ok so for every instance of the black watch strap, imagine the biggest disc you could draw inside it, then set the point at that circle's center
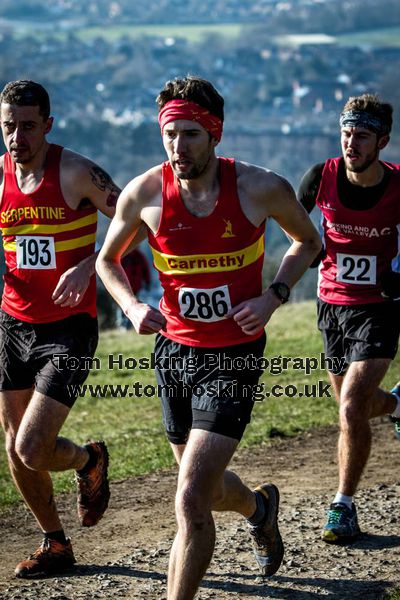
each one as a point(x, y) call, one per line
point(281, 290)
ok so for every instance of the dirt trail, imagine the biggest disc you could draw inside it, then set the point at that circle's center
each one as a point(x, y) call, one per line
point(126, 555)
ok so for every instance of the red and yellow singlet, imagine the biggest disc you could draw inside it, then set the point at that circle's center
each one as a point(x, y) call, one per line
point(200, 288)
point(42, 238)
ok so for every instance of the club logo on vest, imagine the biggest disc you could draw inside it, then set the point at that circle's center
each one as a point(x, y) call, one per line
point(228, 233)
point(326, 205)
point(179, 227)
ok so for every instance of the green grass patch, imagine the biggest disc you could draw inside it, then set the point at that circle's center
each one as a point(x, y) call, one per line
point(194, 33)
point(389, 37)
point(132, 426)
point(111, 33)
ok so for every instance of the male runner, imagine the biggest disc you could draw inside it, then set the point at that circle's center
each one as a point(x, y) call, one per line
point(358, 196)
point(206, 218)
point(49, 198)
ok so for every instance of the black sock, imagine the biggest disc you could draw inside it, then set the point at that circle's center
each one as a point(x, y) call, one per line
point(90, 463)
point(58, 536)
point(259, 514)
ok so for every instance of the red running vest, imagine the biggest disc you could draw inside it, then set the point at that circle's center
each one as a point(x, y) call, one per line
point(207, 264)
point(360, 244)
point(42, 238)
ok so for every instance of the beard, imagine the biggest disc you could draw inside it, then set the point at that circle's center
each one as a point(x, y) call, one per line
point(196, 170)
point(367, 162)
point(23, 155)
point(193, 173)
point(20, 156)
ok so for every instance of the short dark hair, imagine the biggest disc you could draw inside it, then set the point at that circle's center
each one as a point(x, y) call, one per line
point(194, 89)
point(371, 104)
point(27, 93)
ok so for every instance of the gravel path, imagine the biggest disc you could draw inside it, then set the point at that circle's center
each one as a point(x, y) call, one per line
point(126, 555)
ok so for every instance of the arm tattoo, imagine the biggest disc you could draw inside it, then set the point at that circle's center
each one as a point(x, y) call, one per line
point(103, 182)
point(113, 196)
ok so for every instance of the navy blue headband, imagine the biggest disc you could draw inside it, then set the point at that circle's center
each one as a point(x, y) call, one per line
point(361, 118)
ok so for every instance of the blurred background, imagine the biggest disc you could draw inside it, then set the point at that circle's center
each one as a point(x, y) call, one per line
point(284, 68)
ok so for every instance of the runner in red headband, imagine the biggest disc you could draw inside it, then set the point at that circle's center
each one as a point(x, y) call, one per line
point(205, 218)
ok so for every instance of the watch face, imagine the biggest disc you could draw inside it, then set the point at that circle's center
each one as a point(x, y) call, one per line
point(283, 291)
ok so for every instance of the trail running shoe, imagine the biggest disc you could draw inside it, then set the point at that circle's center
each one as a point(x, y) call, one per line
point(51, 557)
point(93, 488)
point(395, 420)
point(267, 542)
point(342, 524)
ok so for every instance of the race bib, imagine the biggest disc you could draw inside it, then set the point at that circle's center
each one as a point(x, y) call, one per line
point(358, 270)
point(35, 252)
point(206, 305)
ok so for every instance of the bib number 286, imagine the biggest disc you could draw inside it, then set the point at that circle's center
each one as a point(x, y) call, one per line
point(34, 252)
point(204, 304)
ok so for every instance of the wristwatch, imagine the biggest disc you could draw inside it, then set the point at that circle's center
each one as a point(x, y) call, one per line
point(281, 291)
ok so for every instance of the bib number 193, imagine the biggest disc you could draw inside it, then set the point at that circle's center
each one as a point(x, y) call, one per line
point(34, 252)
point(207, 305)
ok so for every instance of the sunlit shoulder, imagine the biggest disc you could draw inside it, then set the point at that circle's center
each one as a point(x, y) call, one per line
point(260, 181)
point(145, 187)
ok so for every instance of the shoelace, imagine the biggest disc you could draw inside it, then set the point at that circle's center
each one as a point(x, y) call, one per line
point(334, 515)
point(44, 546)
point(259, 537)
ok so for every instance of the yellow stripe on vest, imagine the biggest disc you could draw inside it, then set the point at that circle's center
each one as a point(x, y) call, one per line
point(79, 242)
point(38, 228)
point(85, 240)
point(208, 263)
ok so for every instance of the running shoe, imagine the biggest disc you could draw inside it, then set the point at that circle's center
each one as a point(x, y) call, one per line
point(267, 542)
point(51, 557)
point(93, 488)
point(395, 420)
point(342, 524)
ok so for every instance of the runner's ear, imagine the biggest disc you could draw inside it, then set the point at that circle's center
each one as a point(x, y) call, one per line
point(49, 125)
point(383, 141)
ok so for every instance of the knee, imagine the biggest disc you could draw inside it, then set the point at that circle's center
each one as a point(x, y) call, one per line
point(353, 413)
point(31, 452)
point(193, 510)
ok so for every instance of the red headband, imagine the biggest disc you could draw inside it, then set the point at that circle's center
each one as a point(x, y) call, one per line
point(190, 111)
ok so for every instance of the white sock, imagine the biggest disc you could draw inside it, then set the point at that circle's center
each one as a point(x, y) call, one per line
point(342, 499)
point(396, 412)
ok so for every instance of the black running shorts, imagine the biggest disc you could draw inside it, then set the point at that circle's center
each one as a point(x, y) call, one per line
point(48, 356)
point(207, 388)
point(359, 332)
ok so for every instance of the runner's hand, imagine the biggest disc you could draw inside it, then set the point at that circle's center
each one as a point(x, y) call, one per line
point(72, 285)
point(146, 319)
point(252, 315)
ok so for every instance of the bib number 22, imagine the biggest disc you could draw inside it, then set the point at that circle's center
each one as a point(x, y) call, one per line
point(207, 305)
point(358, 270)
